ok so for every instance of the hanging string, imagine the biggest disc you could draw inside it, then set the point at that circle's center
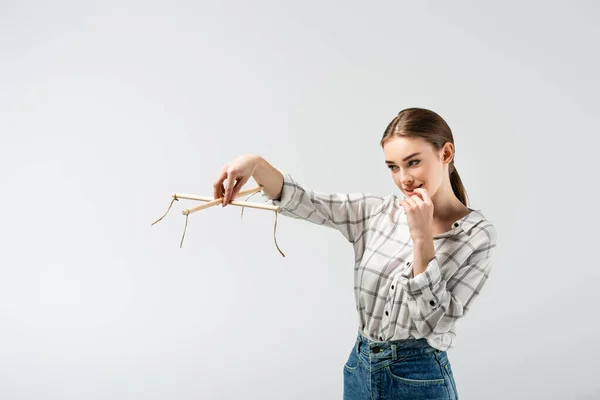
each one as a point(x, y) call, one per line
point(168, 209)
point(184, 229)
point(275, 235)
point(274, 227)
point(241, 216)
point(247, 198)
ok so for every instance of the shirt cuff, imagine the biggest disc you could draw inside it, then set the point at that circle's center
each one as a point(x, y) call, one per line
point(426, 284)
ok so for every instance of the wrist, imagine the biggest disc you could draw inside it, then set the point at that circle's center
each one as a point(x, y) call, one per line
point(423, 241)
point(424, 250)
point(257, 162)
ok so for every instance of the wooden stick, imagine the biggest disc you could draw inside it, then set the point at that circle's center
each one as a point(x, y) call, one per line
point(213, 202)
point(203, 198)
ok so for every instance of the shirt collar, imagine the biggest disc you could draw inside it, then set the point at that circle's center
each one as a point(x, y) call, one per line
point(465, 224)
point(470, 220)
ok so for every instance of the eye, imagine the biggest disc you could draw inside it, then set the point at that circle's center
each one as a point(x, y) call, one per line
point(409, 163)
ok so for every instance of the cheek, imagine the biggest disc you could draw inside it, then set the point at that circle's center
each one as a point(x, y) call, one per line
point(433, 182)
point(429, 175)
point(422, 177)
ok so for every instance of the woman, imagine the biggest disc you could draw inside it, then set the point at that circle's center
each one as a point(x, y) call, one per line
point(420, 262)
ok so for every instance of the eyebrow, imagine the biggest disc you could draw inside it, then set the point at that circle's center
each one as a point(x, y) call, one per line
point(404, 159)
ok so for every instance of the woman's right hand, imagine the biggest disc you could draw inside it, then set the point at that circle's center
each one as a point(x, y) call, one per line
point(236, 173)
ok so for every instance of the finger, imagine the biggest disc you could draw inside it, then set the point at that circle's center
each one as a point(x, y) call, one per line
point(229, 190)
point(410, 201)
point(418, 201)
point(238, 186)
point(405, 205)
point(218, 189)
point(423, 192)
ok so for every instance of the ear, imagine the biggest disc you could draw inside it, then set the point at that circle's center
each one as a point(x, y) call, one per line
point(447, 153)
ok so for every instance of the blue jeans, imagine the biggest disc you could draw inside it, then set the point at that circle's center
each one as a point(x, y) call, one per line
point(400, 369)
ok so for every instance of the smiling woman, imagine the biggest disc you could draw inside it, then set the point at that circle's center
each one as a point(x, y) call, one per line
point(419, 149)
point(419, 263)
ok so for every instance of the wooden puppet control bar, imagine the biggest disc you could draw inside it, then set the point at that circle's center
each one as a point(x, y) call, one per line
point(211, 202)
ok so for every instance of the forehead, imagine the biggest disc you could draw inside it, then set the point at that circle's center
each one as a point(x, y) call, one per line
point(399, 147)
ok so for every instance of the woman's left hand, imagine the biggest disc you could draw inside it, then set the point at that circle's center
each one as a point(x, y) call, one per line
point(419, 214)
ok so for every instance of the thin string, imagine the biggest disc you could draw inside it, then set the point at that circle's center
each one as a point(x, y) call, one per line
point(241, 216)
point(184, 229)
point(275, 235)
point(274, 227)
point(247, 198)
point(170, 205)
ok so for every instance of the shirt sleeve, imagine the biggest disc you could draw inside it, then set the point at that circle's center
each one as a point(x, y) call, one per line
point(346, 212)
point(434, 304)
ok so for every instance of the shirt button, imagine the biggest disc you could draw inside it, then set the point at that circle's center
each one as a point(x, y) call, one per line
point(392, 287)
point(380, 337)
point(456, 224)
point(386, 313)
point(431, 302)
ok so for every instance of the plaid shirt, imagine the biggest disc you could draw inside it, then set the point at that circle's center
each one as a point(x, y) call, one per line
point(391, 303)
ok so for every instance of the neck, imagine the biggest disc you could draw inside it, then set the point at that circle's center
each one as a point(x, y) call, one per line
point(445, 203)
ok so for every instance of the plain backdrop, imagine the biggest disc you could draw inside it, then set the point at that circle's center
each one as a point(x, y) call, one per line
point(107, 108)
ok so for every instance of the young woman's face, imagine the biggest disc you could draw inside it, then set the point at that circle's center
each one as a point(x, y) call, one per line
point(415, 163)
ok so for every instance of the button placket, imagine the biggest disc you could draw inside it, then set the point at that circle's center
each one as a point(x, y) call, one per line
point(386, 312)
point(394, 283)
point(407, 272)
point(389, 305)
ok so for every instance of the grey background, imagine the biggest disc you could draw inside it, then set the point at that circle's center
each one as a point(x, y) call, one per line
point(106, 108)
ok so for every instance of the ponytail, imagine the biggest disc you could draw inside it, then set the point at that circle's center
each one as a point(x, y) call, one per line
point(457, 185)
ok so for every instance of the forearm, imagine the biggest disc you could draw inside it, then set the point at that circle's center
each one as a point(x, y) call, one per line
point(434, 303)
point(269, 177)
point(424, 252)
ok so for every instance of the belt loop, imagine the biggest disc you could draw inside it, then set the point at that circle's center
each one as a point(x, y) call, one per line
point(394, 353)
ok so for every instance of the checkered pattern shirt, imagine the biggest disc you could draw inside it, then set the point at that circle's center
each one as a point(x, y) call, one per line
point(391, 303)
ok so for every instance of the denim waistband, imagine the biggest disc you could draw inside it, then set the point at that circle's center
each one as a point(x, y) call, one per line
point(393, 349)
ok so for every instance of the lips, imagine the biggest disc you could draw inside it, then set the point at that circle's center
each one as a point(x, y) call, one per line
point(411, 192)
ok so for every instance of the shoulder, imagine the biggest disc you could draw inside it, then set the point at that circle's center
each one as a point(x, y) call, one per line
point(481, 233)
point(387, 205)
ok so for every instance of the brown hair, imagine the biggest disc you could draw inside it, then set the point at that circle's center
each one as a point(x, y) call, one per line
point(429, 126)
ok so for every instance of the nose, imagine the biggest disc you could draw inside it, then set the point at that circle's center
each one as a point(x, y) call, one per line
point(406, 180)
